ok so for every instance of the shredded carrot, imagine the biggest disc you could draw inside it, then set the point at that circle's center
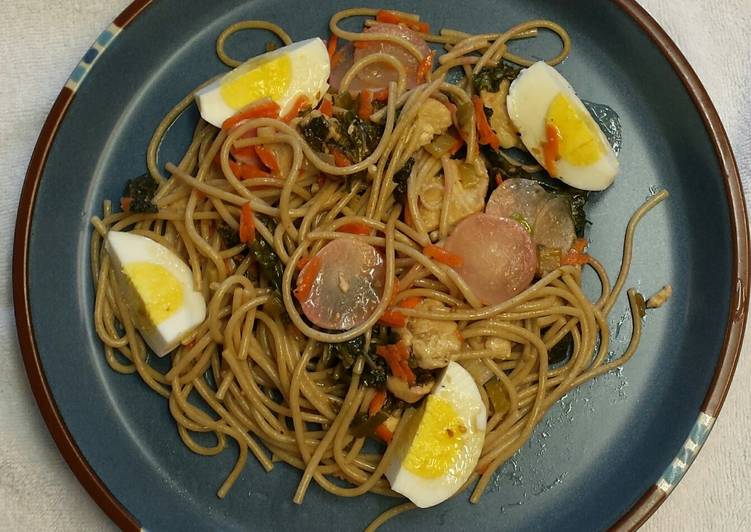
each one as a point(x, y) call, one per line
point(200, 194)
point(326, 108)
point(125, 203)
point(377, 402)
point(392, 17)
point(246, 171)
point(381, 95)
point(247, 224)
point(486, 134)
point(331, 45)
point(393, 318)
point(410, 302)
point(355, 229)
point(340, 159)
point(262, 109)
point(580, 245)
point(383, 432)
point(576, 255)
point(458, 144)
point(246, 153)
point(297, 106)
point(426, 65)
point(551, 146)
point(443, 256)
point(268, 158)
point(365, 104)
point(303, 261)
point(367, 44)
point(309, 274)
point(396, 356)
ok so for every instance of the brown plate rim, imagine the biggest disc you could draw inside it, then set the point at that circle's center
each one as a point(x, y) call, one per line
point(631, 520)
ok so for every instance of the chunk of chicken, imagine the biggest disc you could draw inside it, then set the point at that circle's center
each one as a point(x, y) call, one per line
point(433, 118)
point(433, 342)
point(466, 195)
point(407, 393)
point(500, 121)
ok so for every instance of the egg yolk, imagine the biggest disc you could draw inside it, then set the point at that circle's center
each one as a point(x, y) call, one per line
point(578, 142)
point(270, 79)
point(438, 440)
point(160, 292)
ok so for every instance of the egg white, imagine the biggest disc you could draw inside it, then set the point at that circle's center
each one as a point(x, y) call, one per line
point(458, 388)
point(310, 68)
point(529, 98)
point(126, 248)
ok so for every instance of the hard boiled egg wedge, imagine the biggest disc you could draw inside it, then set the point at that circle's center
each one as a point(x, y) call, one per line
point(157, 287)
point(442, 444)
point(302, 68)
point(558, 131)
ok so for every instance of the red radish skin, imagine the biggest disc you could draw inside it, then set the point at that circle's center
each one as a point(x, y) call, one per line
point(347, 287)
point(499, 256)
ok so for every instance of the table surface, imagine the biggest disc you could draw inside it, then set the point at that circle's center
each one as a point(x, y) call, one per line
point(39, 492)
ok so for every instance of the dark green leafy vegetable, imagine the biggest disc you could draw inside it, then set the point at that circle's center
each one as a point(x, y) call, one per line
point(374, 374)
point(315, 132)
point(348, 351)
point(401, 178)
point(268, 261)
point(357, 138)
point(561, 351)
point(141, 192)
point(490, 78)
point(345, 100)
point(230, 237)
point(364, 425)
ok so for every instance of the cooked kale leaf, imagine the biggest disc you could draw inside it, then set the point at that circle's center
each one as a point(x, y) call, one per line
point(315, 131)
point(230, 237)
point(490, 78)
point(357, 138)
point(141, 192)
point(268, 261)
point(400, 179)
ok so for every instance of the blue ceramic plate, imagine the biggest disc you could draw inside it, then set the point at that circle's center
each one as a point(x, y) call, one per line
point(606, 455)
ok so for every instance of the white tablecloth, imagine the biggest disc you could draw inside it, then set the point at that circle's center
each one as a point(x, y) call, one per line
point(40, 43)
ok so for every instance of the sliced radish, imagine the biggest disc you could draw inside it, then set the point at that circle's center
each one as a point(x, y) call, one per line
point(378, 75)
point(499, 257)
point(347, 287)
point(554, 227)
point(517, 198)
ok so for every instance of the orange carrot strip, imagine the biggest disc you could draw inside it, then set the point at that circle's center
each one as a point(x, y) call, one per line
point(487, 136)
point(268, 158)
point(377, 402)
point(383, 432)
point(551, 146)
point(443, 256)
point(390, 17)
point(326, 108)
point(355, 229)
point(340, 159)
point(365, 104)
point(262, 109)
point(125, 203)
point(247, 224)
point(246, 171)
point(410, 302)
point(381, 95)
point(309, 274)
point(580, 245)
point(425, 67)
point(572, 258)
point(393, 318)
point(385, 352)
point(331, 45)
point(303, 261)
point(337, 58)
point(297, 105)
